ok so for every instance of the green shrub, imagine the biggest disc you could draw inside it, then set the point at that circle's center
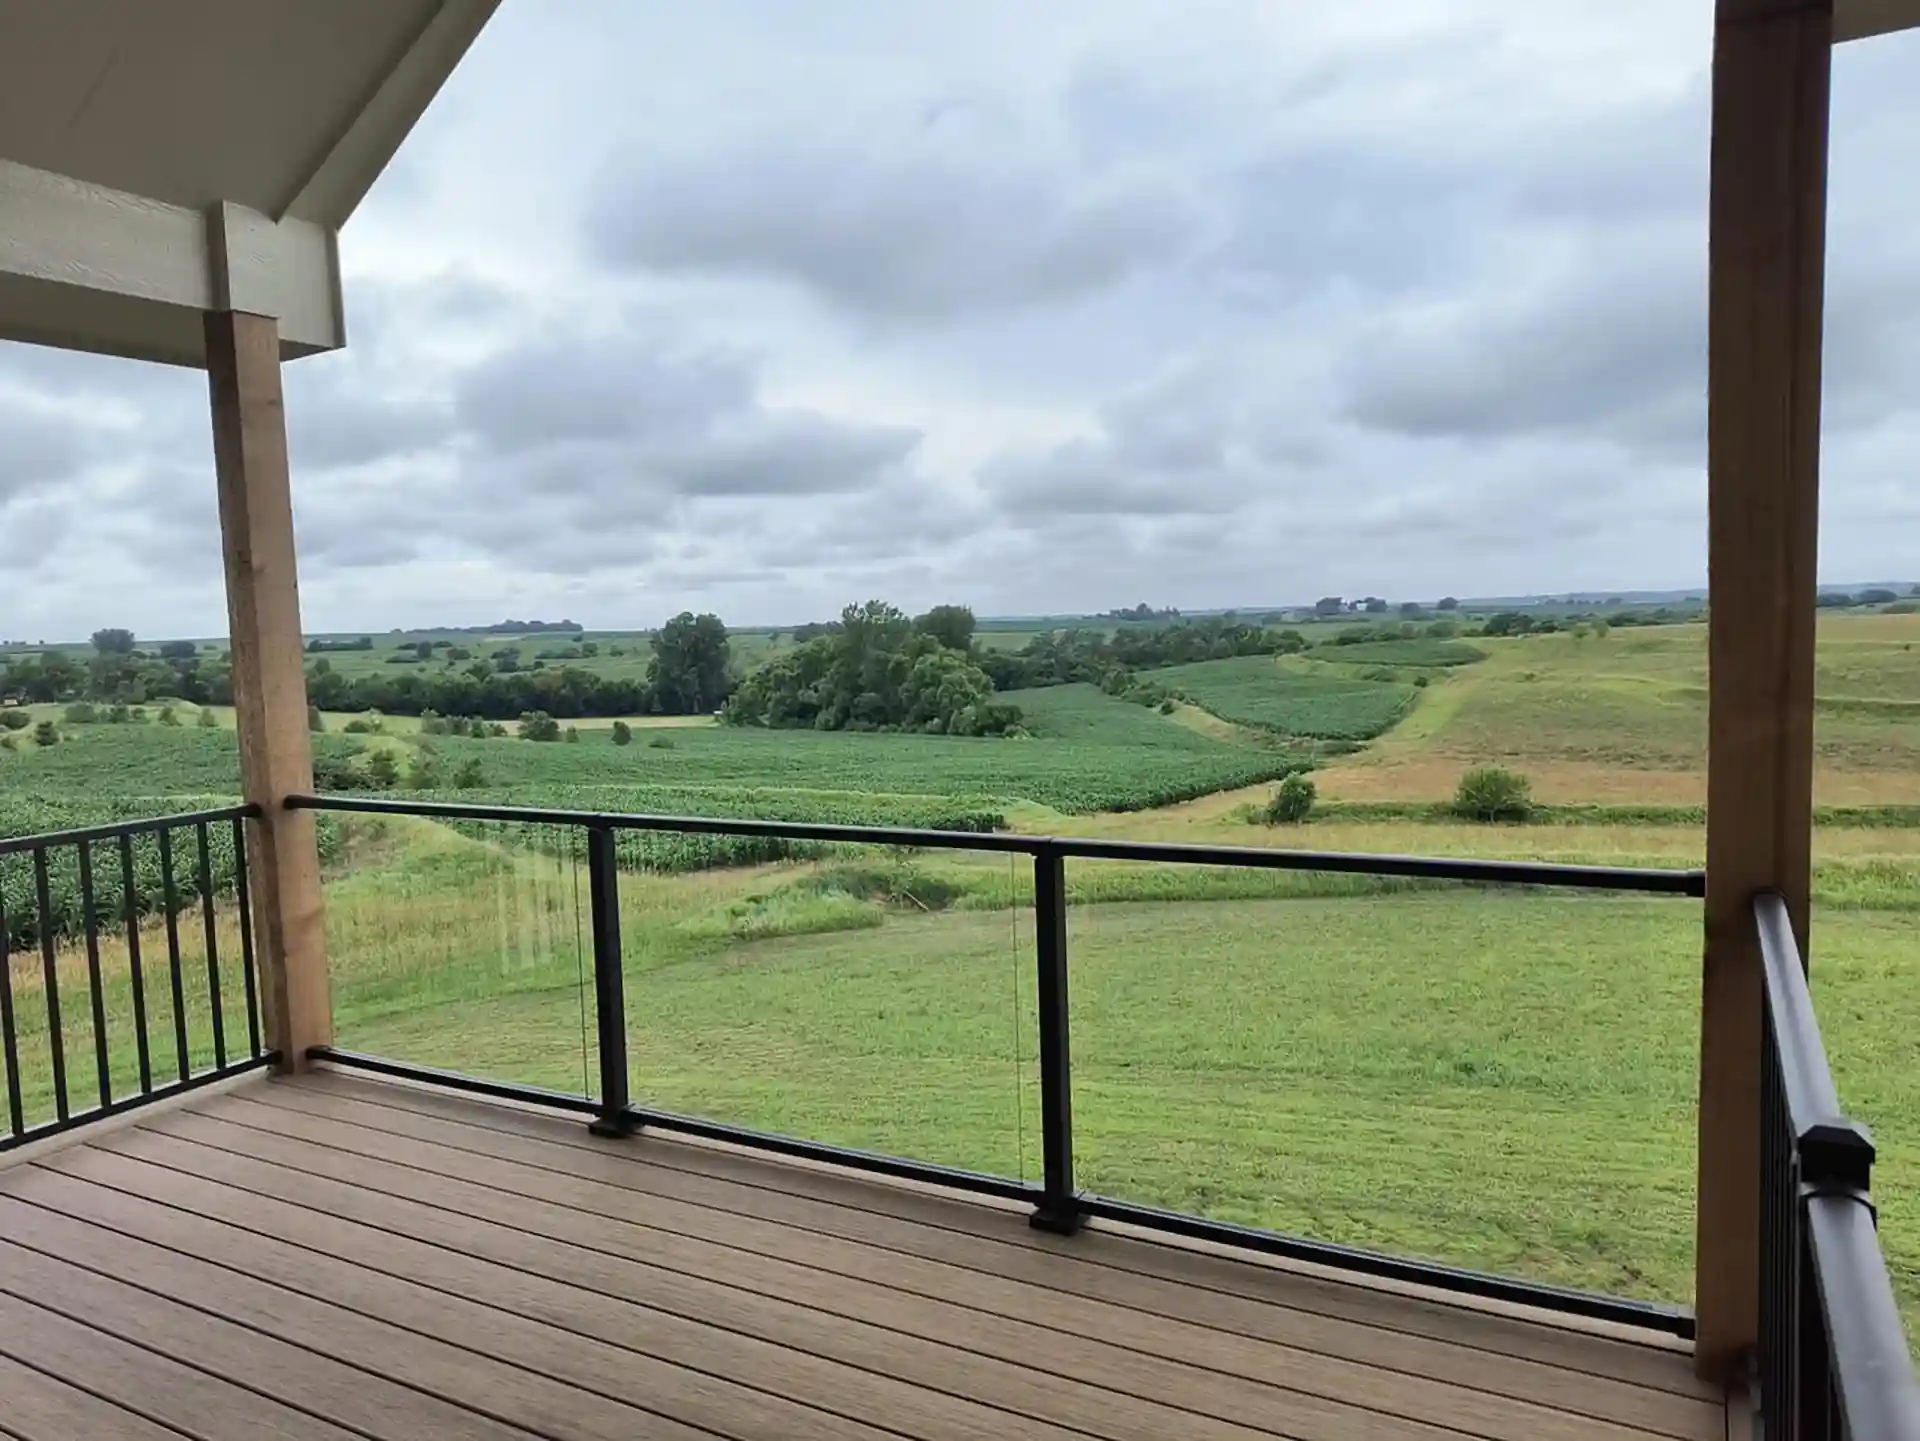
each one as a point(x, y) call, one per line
point(1292, 801)
point(469, 776)
point(1493, 793)
point(44, 734)
point(1169, 706)
point(208, 721)
point(383, 771)
point(15, 720)
point(81, 712)
point(537, 725)
point(315, 721)
point(169, 716)
point(573, 735)
point(118, 715)
point(622, 733)
point(660, 743)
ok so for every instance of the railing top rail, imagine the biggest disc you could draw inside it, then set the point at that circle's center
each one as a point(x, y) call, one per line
point(1873, 1370)
point(1532, 873)
point(1812, 1099)
point(113, 830)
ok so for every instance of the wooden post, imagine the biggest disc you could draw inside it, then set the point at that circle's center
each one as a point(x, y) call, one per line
point(269, 677)
point(1771, 72)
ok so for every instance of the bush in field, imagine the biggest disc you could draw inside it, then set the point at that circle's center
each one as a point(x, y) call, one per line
point(315, 722)
point(9, 741)
point(44, 734)
point(383, 771)
point(622, 733)
point(169, 716)
point(573, 735)
point(1292, 801)
point(118, 715)
point(469, 776)
point(207, 721)
point(15, 720)
point(1493, 793)
point(660, 743)
point(81, 712)
point(537, 725)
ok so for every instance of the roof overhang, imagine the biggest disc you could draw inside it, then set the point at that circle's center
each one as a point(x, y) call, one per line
point(158, 161)
point(1862, 19)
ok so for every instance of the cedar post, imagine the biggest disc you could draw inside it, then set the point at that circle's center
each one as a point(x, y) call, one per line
point(269, 677)
point(1771, 73)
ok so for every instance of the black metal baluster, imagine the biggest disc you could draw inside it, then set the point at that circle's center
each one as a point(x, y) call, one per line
point(171, 899)
point(50, 971)
point(213, 947)
point(9, 1043)
point(94, 993)
point(609, 984)
point(1059, 1210)
point(245, 904)
point(130, 898)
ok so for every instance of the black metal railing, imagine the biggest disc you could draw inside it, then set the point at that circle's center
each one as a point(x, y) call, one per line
point(1058, 1204)
point(1833, 1360)
point(115, 902)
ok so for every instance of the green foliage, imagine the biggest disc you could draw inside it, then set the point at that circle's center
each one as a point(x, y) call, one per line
point(80, 713)
point(573, 735)
point(113, 641)
point(951, 625)
point(876, 672)
point(470, 775)
point(207, 720)
point(689, 673)
point(622, 733)
point(46, 734)
point(1255, 691)
point(1493, 793)
point(660, 741)
point(169, 716)
point(1292, 801)
point(365, 725)
point(15, 720)
point(315, 721)
point(539, 726)
point(1407, 652)
point(383, 771)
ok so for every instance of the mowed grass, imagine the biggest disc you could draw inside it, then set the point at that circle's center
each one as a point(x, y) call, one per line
point(1622, 719)
point(1493, 1079)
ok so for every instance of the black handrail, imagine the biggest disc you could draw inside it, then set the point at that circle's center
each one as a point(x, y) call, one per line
point(1833, 1359)
point(1437, 868)
point(1057, 1204)
point(54, 892)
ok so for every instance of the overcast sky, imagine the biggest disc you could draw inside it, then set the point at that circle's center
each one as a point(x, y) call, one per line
point(762, 307)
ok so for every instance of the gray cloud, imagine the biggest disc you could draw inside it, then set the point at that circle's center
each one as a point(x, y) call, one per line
point(901, 226)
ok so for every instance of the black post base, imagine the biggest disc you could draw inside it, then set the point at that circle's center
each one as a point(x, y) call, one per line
point(615, 1127)
point(1066, 1220)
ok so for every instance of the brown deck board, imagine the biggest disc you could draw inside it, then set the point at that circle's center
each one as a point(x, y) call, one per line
point(330, 1255)
point(1648, 1361)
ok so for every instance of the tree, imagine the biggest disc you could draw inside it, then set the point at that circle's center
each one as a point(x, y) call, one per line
point(951, 625)
point(383, 771)
point(45, 734)
point(539, 726)
point(469, 775)
point(622, 733)
point(1878, 595)
point(1447, 602)
point(1375, 605)
point(1491, 793)
point(1412, 607)
point(178, 650)
point(1329, 605)
point(690, 671)
point(113, 641)
point(1292, 801)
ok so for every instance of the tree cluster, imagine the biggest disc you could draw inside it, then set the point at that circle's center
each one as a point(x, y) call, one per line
point(1062, 657)
point(879, 670)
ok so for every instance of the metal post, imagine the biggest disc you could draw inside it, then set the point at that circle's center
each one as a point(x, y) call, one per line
point(1059, 1209)
point(609, 984)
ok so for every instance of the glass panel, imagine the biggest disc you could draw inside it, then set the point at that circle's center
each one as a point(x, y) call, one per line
point(866, 996)
point(463, 946)
point(1497, 1079)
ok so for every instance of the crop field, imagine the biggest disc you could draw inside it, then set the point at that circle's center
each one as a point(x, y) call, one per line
point(1258, 691)
point(1502, 1080)
point(1622, 719)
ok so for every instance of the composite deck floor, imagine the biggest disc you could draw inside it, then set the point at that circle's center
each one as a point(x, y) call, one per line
point(331, 1257)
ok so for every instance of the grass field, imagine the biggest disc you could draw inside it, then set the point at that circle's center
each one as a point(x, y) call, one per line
point(1495, 1079)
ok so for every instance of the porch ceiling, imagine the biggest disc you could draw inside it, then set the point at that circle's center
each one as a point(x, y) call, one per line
point(158, 160)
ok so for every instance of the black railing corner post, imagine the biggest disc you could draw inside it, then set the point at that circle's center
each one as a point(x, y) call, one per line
point(1059, 1209)
point(609, 985)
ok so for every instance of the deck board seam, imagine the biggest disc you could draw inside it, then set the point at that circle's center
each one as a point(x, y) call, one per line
point(168, 1357)
point(722, 1377)
point(117, 1404)
point(1278, 1389)
point(345, 1085)
point(561, 1146)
